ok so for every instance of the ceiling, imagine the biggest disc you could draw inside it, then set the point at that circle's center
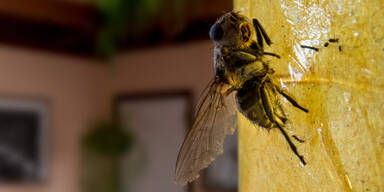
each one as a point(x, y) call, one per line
point(76, 26)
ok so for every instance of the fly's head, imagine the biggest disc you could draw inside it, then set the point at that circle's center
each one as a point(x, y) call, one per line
point(232, 30)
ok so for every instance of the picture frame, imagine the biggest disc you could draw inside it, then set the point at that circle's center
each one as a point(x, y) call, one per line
point(211, 180)
point(23, 140)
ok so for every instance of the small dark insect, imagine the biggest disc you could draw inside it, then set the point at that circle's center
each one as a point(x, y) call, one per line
point(333, 40)
point(309, 47)
point(243, 76)
point(326, 44)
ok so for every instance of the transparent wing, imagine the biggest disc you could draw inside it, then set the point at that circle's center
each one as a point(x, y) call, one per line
point(215, 118)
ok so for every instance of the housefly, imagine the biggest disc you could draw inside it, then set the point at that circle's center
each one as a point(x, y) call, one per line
point(242, 82)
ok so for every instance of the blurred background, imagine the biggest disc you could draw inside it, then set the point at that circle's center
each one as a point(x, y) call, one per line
point(97, 95)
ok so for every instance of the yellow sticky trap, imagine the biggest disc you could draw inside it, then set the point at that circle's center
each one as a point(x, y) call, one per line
point(341, 84)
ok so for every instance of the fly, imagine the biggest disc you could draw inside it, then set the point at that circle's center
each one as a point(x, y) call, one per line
point(242, 82)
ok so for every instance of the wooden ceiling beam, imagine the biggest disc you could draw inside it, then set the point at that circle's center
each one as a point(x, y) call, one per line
point(59, 13)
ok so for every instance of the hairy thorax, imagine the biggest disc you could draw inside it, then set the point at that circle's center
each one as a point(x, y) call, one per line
point(242, 65)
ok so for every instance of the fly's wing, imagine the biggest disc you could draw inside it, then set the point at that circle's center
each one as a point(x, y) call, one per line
point(215, 118)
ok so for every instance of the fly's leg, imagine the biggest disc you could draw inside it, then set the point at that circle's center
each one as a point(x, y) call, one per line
point(291, 145)
point(229, 91)
point(280, 114)
point(260, 33)
point(272, 54)
point(268, 108)
point(290, 99)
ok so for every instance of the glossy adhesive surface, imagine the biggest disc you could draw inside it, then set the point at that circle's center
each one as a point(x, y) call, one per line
point(342, 85)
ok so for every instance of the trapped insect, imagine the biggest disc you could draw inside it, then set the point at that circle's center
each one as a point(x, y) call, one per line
point(243, 76)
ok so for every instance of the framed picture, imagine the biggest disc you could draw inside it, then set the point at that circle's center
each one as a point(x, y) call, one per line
point(23, 140)
point(160, 122)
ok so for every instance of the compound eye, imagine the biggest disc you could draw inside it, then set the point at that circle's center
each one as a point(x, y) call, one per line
point(245, 32)
point(216, 33)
